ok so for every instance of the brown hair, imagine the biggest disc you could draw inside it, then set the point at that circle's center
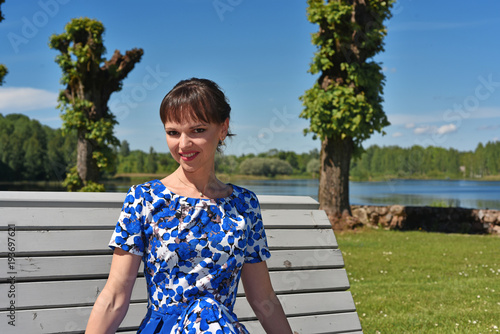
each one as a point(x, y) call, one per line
point(195, 99)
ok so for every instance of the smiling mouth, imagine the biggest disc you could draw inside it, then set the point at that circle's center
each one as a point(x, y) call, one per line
point(188, 156)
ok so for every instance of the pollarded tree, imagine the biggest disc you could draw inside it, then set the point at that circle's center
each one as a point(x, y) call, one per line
point(345, 104)
point(90, 80)
point(3, 69)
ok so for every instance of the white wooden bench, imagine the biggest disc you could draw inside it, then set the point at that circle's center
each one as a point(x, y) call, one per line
point(60, 261)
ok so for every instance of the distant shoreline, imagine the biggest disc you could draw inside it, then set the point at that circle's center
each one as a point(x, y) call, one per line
point(134, 178)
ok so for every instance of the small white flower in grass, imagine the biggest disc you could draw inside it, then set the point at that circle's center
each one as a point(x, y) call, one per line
point(456, 324)
point(478, 296)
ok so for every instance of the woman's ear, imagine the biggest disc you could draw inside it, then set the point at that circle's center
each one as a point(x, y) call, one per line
point(225, 129)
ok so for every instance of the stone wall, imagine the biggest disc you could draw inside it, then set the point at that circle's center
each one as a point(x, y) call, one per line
point(449, 220)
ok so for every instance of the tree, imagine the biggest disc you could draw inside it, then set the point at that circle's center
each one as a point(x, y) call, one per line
point(90, 80)
point(345, 104)
point(3, 69)
point(265, 166)
point(124, 148)
point(313, 166)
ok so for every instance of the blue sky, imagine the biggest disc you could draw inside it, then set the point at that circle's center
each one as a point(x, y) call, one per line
point(441, 64)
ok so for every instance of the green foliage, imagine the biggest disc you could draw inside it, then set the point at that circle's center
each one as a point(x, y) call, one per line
point(3, 73)
point(265, 166)
point(430, 162)
point(124, 148)
point(313, 166)
point(73, 181)
point(3, 69)
point(1, 14)
point(416, 282)
point(31, 151)
point(346, 100)
point(226, 164)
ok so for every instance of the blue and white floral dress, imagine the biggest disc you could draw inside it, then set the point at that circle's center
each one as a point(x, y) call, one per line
point(193, 251)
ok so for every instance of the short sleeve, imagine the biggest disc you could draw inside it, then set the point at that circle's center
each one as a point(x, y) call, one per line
point(257, 249)
point(129, 231)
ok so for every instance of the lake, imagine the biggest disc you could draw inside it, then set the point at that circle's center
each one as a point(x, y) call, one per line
point(467, 194)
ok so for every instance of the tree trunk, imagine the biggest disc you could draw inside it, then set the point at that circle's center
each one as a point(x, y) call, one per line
point(334, 175)
point(85, 164)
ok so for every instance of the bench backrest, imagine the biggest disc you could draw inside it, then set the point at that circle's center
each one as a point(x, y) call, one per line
point(58, 263)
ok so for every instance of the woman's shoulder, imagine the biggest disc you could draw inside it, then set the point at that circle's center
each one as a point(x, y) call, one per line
point(245, 196)
point(245, 192)
point(147, 190)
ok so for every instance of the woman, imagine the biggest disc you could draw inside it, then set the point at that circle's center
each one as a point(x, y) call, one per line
point(196, 235)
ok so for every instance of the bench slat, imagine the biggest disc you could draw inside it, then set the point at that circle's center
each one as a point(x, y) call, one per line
point(78, 292)
point(85, 218)
point(115, 200)
point(318, 324)
point(69, 266)
point(49, 320)
point(88, 241)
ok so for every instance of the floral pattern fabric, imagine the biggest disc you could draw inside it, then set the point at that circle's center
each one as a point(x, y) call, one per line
point(193, 251)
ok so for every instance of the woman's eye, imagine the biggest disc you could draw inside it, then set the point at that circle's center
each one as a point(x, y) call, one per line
point(171, 133)
point(199, 130)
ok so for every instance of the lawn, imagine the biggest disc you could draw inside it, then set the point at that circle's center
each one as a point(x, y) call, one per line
point(419, 282)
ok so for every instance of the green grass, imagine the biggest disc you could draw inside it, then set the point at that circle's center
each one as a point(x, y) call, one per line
point(418, 282)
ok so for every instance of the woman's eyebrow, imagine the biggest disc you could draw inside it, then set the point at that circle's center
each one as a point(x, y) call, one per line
point(198, 125)
point(191, 127)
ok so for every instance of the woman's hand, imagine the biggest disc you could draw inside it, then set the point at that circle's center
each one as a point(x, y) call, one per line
point(261, 297)
point(112, 304)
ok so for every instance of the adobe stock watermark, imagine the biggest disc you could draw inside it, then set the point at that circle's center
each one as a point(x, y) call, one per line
point(131, 98)
point(31, 26)
point(462, 111)
point(454, 118)
point(266, 135)
point(223, 6)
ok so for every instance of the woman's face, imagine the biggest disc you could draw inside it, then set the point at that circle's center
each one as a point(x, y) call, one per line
point(193, 144)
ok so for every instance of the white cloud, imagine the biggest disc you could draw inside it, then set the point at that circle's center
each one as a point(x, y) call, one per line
point(409, 125)
point(428, 129)
point(18, 99)
point(397, 134)
point(424, 129)
point(447, 129)
point(389, 69)
point(409, 120)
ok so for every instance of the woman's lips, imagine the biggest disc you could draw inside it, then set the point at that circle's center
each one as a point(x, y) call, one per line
point(188, 156)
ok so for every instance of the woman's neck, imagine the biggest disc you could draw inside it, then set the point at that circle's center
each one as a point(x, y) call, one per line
point(204, 184)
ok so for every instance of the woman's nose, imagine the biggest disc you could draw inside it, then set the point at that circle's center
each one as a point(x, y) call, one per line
point(185, 141)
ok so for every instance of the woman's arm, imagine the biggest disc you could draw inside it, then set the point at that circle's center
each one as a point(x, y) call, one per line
point(260, 294)
point(112, 304)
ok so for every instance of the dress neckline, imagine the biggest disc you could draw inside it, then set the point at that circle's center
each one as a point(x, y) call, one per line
point(233, 187)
